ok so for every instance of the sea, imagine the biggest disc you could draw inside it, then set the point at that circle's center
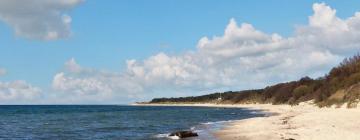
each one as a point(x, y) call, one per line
point(118, 122)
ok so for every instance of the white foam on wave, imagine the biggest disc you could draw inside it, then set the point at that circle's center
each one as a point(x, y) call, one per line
point(256, 112)
point(266, 114)
point(174, 137)
point(161, 135)
point(167, 136)
point(203, 129)
point(217, 122)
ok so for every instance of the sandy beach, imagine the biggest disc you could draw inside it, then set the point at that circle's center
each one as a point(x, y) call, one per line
point(301, 122)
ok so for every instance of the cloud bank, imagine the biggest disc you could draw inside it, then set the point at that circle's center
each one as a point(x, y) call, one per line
point(242, 58)
point(18, 92)
point(81, 85)
point(38, 19)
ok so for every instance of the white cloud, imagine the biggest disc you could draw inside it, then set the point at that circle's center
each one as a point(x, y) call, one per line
point(18, 92)
point(242, 58)
point(2, 71)
point(327, 31)
point(83, 85)
point(38, 19)
point(72, 66)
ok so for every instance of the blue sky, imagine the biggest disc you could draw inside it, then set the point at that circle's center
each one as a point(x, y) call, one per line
point(105, 34)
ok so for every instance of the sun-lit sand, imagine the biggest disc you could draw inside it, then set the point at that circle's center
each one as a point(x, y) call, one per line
point(301, 122)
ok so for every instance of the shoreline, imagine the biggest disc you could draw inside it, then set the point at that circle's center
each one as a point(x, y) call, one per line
point(302, 122)
point(199, 105)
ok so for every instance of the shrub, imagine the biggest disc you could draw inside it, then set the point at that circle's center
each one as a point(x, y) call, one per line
point(301, 91)
point(353, 79)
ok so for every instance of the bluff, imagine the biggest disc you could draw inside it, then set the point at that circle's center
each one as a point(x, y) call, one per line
point(341, 85)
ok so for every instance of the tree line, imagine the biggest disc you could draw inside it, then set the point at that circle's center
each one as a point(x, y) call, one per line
point(341, 85)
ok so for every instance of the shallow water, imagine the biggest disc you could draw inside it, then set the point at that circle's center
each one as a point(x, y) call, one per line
point(112, 121)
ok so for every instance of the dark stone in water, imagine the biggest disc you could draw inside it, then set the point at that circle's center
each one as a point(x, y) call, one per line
point(184, 134)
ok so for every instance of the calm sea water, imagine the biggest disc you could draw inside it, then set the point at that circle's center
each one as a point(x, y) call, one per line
point(111, 121)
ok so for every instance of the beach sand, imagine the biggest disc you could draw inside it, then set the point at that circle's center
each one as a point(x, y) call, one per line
point(301, 122)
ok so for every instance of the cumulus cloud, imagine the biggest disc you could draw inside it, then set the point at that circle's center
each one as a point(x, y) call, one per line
point(242, 58)
point(78, 84)
point(18, 92)
point(72, 66)
point(327, 31)
point(38, 19)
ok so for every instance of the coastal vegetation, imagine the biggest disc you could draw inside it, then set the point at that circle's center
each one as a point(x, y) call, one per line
point(341, 85)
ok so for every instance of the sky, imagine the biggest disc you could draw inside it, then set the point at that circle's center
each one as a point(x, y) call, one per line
point(119, 52)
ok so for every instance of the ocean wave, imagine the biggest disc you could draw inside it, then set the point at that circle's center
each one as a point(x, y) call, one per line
point(203, 129)
point(257, 112)
point(217, 122)
point(167, 136)
point(261, 113)
point(161, 135)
